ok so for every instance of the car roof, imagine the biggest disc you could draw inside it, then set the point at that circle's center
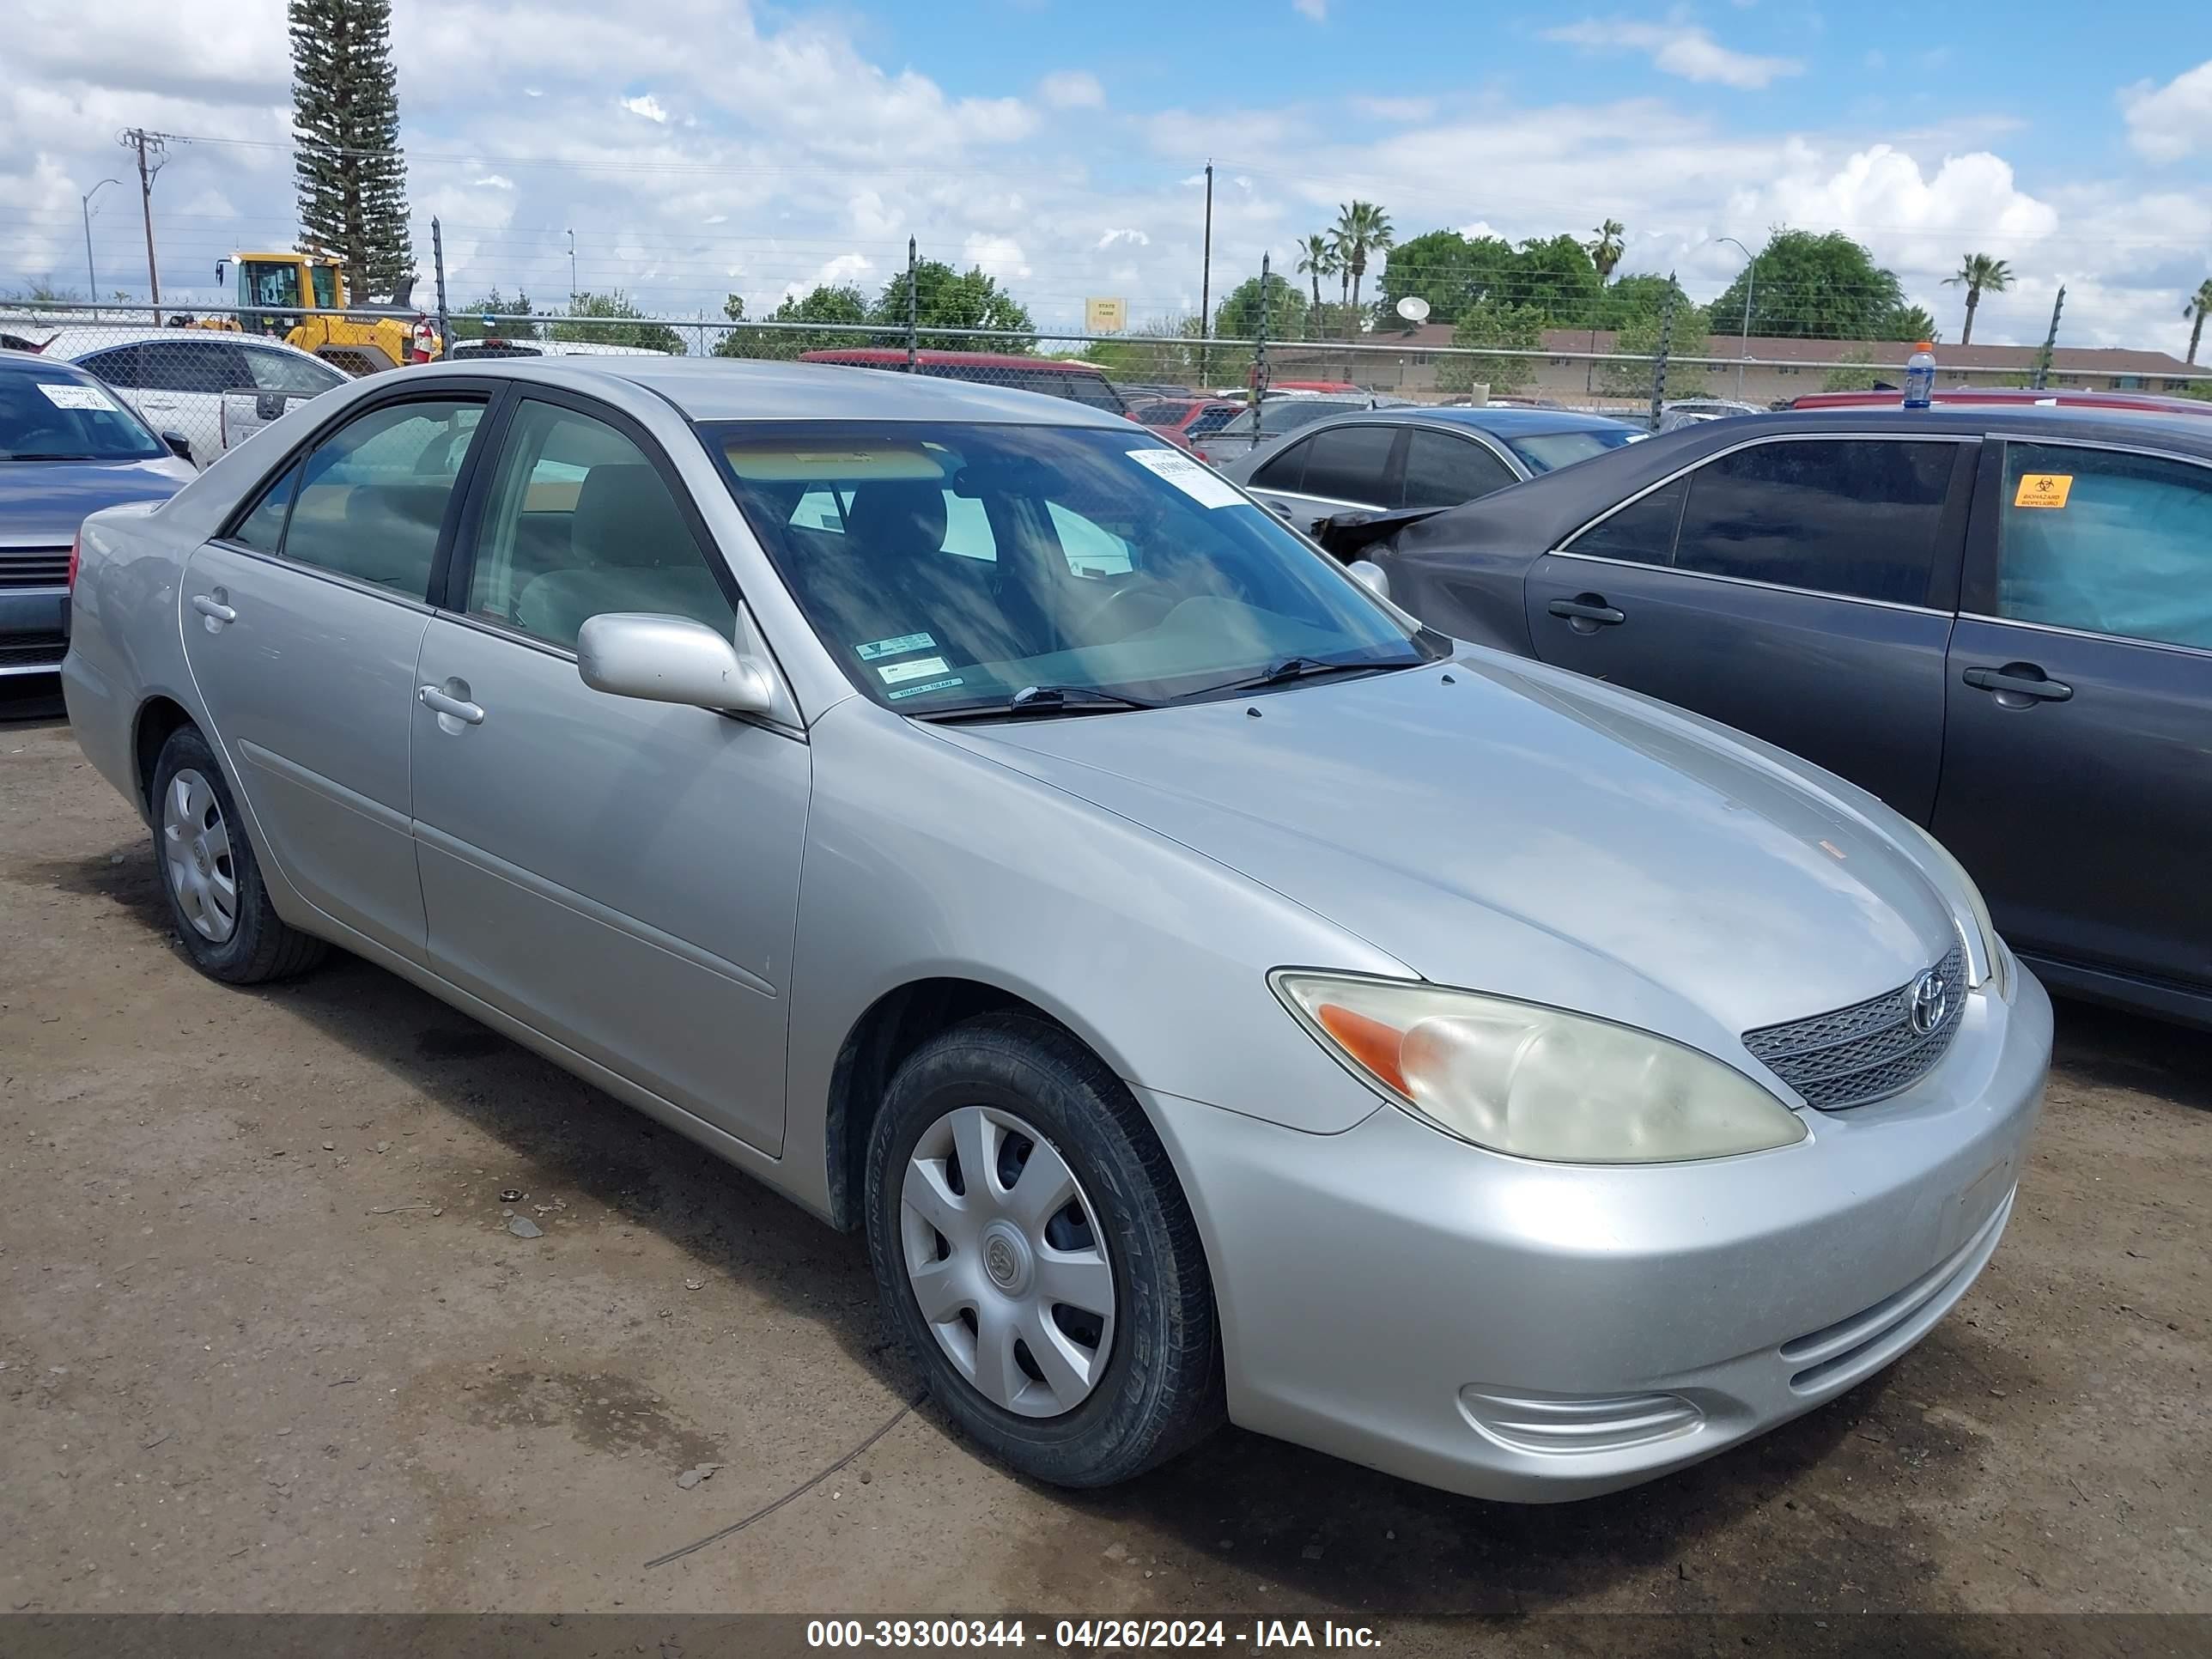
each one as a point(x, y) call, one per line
point(1504, 421)
point(98, 336)
point(23, 361)
point(724, 389)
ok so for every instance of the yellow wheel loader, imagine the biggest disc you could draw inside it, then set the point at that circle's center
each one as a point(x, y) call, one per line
point(302, 299)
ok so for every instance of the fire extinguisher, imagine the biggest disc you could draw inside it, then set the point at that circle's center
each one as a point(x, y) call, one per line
point(426, 337)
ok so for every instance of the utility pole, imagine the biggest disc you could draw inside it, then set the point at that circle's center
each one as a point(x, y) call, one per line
point(139, 139)
point(1206, 281)
point(2049, 341)
point(1750, 281)
point(572, 273)
point(91, 282)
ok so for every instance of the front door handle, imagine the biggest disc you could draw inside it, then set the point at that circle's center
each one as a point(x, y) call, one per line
point(213, 609)
point(1587, 612)
point(2018, 679)
point(1280, 510)
point(458, 708)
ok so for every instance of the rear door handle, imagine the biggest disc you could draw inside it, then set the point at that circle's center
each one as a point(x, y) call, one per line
point(1278, 510)
point(1591, 608)
point(213, 609)
point(2018, 679)
point(468, 713)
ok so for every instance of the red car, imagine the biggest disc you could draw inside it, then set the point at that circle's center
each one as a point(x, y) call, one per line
point(2014, 395)
point(1081, 383)
point(1184, 421)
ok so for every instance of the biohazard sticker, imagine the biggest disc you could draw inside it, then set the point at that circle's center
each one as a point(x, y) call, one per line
point(2043, 490)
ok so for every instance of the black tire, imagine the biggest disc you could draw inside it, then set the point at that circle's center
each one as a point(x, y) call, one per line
point(1161, 1392)
point(262, 947)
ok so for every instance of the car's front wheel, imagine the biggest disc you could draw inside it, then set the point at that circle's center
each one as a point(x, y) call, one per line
point(1037, 1256)
point(217, 897)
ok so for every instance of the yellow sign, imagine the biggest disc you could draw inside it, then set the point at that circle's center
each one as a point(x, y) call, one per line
point(2043, 490)
point(1105, 316)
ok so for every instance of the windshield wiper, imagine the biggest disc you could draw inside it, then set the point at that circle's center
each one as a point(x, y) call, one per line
point(1034, 700)
point(1290, 668)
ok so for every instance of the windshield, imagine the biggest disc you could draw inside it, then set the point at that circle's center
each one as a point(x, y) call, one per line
point(56, 414)
point(950, 567)
point(1548, 452)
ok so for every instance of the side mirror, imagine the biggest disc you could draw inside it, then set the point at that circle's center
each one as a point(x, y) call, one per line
point(179, 445)
point(628, 654)
point(1371, 576)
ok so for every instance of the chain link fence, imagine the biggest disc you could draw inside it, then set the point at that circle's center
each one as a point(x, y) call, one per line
point(214, 375)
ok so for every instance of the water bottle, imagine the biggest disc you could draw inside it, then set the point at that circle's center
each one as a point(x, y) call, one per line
point(1920, 376)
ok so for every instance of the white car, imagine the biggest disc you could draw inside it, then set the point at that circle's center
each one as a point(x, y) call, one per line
point(215, 386)
point(467, 350)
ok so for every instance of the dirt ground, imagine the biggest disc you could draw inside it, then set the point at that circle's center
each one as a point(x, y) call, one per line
point(270, 1343)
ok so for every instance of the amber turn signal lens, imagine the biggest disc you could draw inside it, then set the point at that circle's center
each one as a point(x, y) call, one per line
point(1372, 1043)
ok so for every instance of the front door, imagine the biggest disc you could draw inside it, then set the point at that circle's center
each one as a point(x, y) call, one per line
point(621, 875)
point(2078, 758)
point(1796, 588)
point(302, 626)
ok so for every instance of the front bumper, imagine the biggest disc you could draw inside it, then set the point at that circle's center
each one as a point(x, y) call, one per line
point(1534, 1331)
point(33, 629)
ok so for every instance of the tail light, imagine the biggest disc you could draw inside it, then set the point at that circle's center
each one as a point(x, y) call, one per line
point(76, 545)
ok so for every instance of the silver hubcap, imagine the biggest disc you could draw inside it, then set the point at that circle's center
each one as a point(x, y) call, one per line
point(1007, 1261)
point(196, 846)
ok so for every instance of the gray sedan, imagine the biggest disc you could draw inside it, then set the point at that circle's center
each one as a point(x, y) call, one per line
point(1211, 992)
point(1409, 456)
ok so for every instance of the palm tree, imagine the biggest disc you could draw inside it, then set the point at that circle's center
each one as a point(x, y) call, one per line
point(1317, 259)
point(1977, 273)
point(1605, 252)
point(1362, 228)
point(2199, 303)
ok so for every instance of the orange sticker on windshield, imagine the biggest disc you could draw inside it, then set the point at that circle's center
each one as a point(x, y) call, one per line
point(2043, 490)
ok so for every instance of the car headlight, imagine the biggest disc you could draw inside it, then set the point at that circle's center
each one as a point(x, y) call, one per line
point(1992, 962)
point(1536, 1082)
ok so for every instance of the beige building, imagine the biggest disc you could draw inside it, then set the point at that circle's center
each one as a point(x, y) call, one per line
point(1779, 370)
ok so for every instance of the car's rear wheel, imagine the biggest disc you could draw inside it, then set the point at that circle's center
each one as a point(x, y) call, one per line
point(1035, 1252)
point(217, 897)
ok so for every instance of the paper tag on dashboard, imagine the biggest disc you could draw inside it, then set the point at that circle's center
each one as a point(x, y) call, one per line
point(1189, 474)
point(69, 395)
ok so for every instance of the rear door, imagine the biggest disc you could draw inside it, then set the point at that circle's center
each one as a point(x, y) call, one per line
point(280, 380)
point(2077, 755)
point(1337, 469)
point(1443, 469)
point(1798, 587)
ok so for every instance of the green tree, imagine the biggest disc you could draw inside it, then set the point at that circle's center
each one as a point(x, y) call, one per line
point(1814, 286)
point(468, 322)
point(1860, 377)
point(1910, 324)
point(622, 328)
point(1169, 356)
point(945, 298)
point(1554, 275)
point(1605, 252)
point(351, 177)
point(1500, 324)
point(2199, 303)
point(1316, 259)
point(1362, 228)
point(1645, 294)
point(1450, 270)
point(842, 304)
point(1978, 274)
point(1237, 316)
point(1638, 333)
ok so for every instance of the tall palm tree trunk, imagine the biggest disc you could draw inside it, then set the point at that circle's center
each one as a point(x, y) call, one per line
point(1973, 299)
point(2196, 334)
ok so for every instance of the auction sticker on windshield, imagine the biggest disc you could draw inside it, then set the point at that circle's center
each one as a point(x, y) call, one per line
point(1194, 479)
point(75, 397)
point(897, 673)
point(897, 648)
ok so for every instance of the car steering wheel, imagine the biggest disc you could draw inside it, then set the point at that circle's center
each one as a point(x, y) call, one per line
point(1106, 607)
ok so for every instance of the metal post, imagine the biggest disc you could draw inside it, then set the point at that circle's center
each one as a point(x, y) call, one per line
point(572, 273)
point(92, 282)
point(1260, 351)
point(2049, 341)
point(438, 272)
point(1750, 281)
point(912, 303)
point(1205, 283)
point(1659, 359)
point(138, 139)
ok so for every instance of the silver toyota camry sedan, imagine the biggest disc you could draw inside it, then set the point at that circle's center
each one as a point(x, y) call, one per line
point(1212, 993)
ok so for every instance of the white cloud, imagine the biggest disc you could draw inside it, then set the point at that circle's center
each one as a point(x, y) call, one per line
point(1679, 49)
point(496, 181)
point(1073, 90)
point(996, 256)
point(648, 106)
point(2171, 122)
point(1316, 9)
point(1134, 238)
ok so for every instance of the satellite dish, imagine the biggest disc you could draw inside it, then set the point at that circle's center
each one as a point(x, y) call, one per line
point(1413, 308)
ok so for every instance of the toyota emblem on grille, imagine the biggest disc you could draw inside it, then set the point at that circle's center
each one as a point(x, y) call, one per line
point(1927, 1002)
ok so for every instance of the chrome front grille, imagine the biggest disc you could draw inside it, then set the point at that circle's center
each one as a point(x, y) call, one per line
point(1868, 1050)
point(34, 567)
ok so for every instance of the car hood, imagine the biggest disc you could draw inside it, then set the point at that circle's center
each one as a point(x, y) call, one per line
point(1510, 828)
point(43, 502)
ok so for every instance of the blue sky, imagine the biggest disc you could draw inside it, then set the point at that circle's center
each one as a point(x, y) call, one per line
point(703, 147)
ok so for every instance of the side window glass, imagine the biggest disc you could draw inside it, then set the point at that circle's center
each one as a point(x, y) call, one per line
point(2106, 542)
point(580, 522)
point(1642, 532)
point(373, 496)
point(1851, 516)
point(196, 361)
point(1091, 549)
point(280, 371)
point(118, 367)
point(1347, 464)
point(263, 529)
point(1442, 471)
point(1287, 470)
